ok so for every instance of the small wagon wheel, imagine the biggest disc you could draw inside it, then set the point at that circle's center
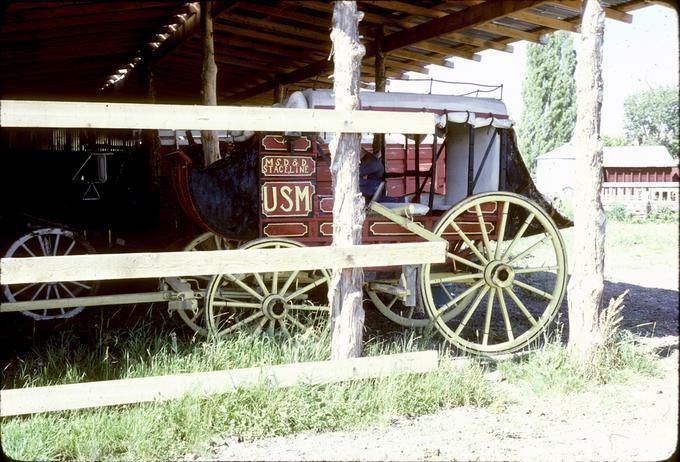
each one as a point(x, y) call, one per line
point(50, 242)
point(392, 308)
point(504, 283)
point(203, 242)
point(290, 302)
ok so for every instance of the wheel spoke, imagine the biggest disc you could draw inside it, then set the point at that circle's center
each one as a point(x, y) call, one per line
point(519, 235)
point(284, 328)
point(24, 289)
point(30, 252)
point(310, 308)
point(49, 289)
point(467, 240)
point(244, 286)
point(38, 291)
point(56, 245)
point(259, 327)
point(504, 312)
point(237, 305)
point(464, 261)
point(288, 282)
point(305, 289)
point(487, 317)
point(471, 310)
point(456, 278)
point(260, 282)
point(529, 249)
point(43, 246)
point(297, 323)
point(84, 286)
point(533, 289)
point(501, 229)
point(446, 291)
point(482, 226)
point(535, 270)
point(216, 239)
point(459, 297)
point(272, 326)
point(520, 305)
point(70, 294)
point(70, 247)
point(391, 304)
point(241, 323)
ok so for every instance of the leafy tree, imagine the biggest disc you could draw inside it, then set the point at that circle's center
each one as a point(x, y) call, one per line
point(614, 140)
point(651, 117)
point(549, 96)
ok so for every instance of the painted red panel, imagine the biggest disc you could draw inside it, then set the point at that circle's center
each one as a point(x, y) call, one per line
point(280, 143)
point(287, 198)
point(285, 229)
point(287, 166)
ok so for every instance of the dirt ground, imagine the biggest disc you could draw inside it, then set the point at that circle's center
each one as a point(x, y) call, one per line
point(633, 421)
point(636, 421)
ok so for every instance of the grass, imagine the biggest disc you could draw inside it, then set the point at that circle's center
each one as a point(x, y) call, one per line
point(616, 358)
point(169, 429)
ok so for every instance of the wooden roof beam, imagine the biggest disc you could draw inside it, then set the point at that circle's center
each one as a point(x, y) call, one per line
point(435, 12)
point(453, 22)
point(511, 32)
point(545, 21)
point(473, 16)
point(610, 13)
point(276, 39)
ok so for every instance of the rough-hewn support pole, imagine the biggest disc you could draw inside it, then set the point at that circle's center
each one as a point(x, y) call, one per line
point(345, 288)
point(586, 284)
point(151, 138)
point(211, 149)
point(279, 90)
point(380, 82)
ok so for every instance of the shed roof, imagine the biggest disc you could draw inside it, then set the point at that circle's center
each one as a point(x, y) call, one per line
point(620, 156)
point(87, 49)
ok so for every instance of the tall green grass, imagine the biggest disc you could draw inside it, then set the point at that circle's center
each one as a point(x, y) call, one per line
point(166, 430)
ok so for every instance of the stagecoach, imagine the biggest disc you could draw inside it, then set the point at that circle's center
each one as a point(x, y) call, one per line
point(503, 280)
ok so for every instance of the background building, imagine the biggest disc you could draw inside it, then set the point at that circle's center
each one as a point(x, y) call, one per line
point(637, 177)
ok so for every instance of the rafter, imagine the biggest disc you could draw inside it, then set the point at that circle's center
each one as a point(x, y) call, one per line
point(451, 23)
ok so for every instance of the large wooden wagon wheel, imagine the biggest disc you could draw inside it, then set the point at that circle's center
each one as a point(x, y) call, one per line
point(47, 242)
point(203, 242)
point(496, 295)
point(290, 302)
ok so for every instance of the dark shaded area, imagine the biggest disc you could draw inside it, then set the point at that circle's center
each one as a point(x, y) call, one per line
point(225, 194)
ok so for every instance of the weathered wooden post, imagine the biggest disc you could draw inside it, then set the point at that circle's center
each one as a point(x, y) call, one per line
point(587, 280)
point(345, 288)
point(209, 139)
point(380, 80)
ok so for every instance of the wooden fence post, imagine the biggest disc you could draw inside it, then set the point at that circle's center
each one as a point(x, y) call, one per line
point(345, 289)
point(587, 281)
point(209, 139)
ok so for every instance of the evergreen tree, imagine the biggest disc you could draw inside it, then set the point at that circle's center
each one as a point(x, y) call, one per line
point(549, 96)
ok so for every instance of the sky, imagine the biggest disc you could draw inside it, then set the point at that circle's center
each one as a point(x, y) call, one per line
point(637, 57)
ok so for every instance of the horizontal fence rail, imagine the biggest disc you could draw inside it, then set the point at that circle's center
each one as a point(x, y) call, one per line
point(60, 114)
point(126, 391)
point(165, 264)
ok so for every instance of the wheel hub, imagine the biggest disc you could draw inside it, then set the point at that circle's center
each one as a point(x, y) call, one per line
point(498, 274)
point(274, 307)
